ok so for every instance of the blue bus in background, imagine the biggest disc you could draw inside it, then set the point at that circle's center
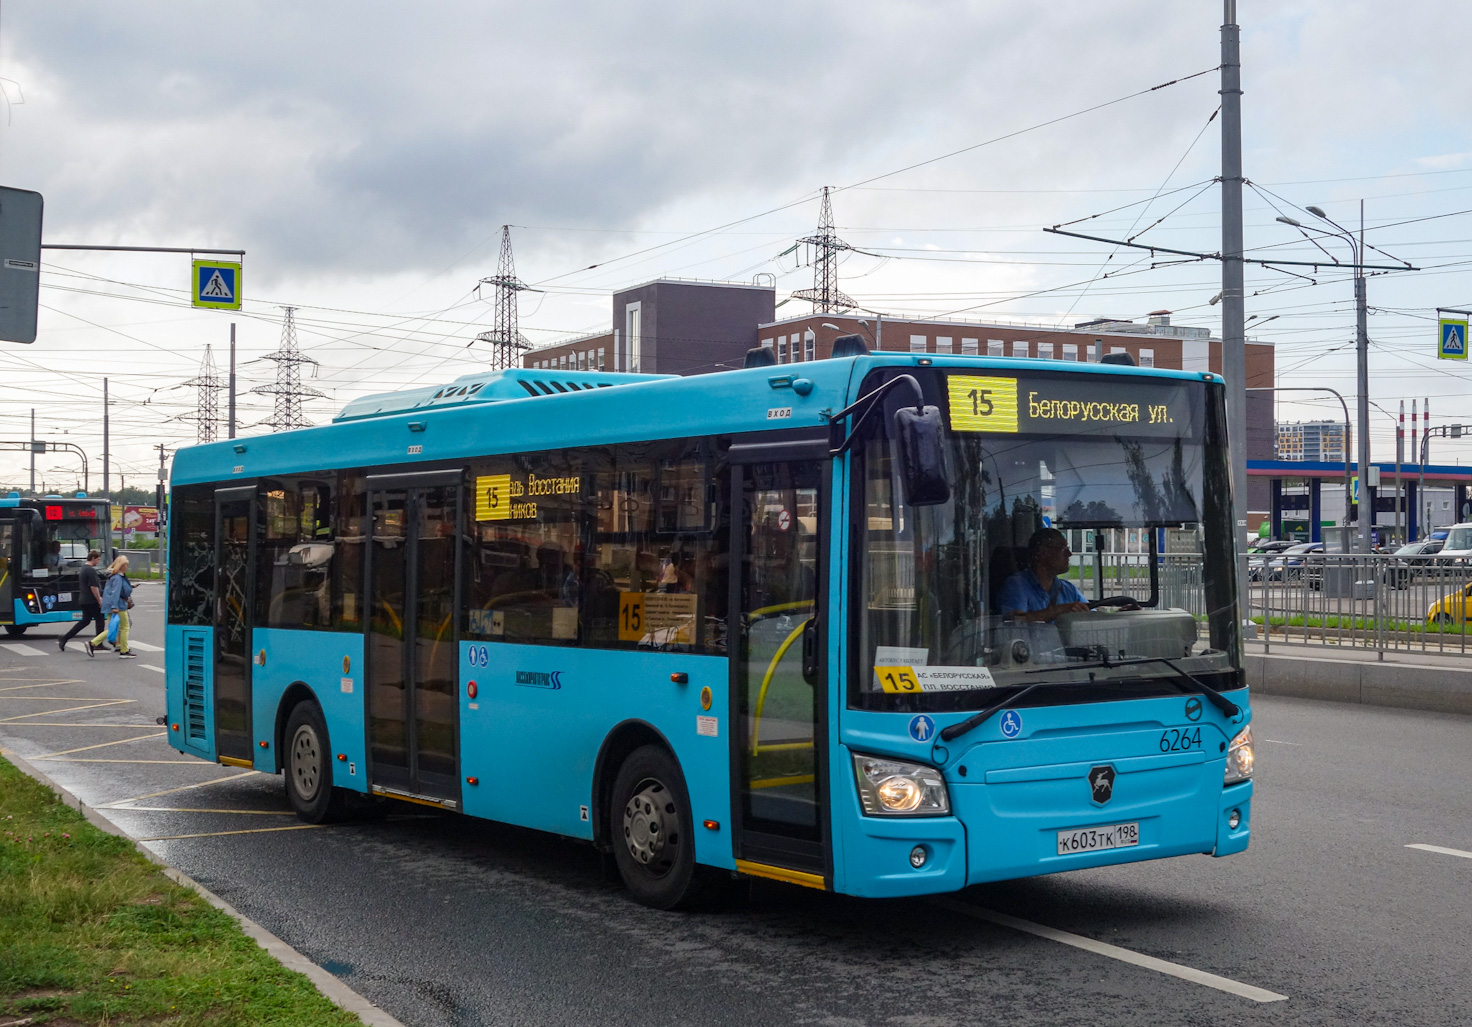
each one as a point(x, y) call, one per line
point(44, 541)
point(737, 624)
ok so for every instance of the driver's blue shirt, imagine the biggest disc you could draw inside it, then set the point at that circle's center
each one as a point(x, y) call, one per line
point(1023, 592)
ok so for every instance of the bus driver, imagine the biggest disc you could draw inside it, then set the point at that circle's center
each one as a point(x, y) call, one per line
point(1037, 593)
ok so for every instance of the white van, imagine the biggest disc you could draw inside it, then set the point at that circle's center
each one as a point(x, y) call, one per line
point(1458, 543)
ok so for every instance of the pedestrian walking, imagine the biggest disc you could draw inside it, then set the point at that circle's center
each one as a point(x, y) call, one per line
point(117, 598)
point(91, 601)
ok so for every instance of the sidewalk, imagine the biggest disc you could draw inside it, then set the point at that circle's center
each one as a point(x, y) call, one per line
point(1410, 680)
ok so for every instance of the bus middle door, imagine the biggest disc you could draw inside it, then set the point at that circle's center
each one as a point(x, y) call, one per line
point(412, 645)
point(235, 560)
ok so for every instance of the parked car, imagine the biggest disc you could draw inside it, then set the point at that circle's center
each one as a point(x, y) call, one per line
point(1412, 562)
point(1290, 563)
point(1458, 543)
point(1451, 608)
point(1261, 552)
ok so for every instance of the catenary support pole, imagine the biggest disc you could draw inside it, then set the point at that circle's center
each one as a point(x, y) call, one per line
point(33, 451)
point(1234, 343)
point(231, 433)
point(1362, 374)
point(106, 477)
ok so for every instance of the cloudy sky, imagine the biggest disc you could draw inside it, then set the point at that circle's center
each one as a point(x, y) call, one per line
point(365, 156)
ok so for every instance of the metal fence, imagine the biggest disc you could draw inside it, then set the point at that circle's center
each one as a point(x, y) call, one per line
point(144, 563)
point(1378, 601)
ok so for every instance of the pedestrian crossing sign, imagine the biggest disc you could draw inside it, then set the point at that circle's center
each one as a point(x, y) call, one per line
point(1453, 340)
point(216, 284)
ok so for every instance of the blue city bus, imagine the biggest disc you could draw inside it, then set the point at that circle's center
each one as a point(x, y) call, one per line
point(44, 541)
point(745, 624)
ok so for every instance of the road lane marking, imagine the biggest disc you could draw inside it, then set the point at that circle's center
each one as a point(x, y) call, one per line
point(1185, 973)
point(99, 745)
point(21, 649)
point(182, 763)
point(70, 709)
point(147, 647)
point(43, 684)
point(1441, 849)
point(221, 834)
point(182, 788)
point(197, 809)
point(149, 666)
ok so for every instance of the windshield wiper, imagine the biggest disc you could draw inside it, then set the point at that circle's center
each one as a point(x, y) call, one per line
point(980, 717)
point(1221, 702)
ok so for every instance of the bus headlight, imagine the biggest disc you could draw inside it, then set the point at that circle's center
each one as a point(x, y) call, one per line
point(1240, 757)
point(895, 788)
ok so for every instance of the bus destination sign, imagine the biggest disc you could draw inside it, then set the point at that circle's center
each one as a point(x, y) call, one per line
point(1069, 406)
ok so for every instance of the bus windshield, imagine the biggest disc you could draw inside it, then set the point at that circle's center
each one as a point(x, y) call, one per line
point(1062, 550)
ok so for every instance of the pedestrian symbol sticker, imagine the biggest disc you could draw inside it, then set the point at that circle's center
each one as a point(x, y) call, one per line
point(216, 284)
point(922, 728)
point(1453, 340)
point(1011, 723)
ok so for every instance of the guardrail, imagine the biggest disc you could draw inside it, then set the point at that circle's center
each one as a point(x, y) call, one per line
point(1378, 601)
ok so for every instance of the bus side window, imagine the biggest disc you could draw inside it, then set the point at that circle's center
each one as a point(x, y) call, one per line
point(527, 535)
point(348, 538)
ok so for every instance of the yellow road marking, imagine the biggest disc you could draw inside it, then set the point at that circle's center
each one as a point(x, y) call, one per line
point(193, 763)
point(221, 834)
point(69, 709)
point(60, 723)
point(61, 698)
point(190, 809)
point(101, 745)
point(43, 684)
point(181, 788)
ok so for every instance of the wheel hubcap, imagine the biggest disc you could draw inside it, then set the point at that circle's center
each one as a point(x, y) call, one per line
point(306, 763)
point(652, 828)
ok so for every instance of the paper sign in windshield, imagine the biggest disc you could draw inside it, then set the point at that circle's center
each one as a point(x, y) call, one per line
point(934, 679)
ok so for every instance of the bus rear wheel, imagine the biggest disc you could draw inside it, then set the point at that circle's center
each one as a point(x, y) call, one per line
point(651, 829)
point(307, 766)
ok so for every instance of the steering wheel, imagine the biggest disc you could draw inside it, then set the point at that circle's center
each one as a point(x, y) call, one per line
point(1122, 602)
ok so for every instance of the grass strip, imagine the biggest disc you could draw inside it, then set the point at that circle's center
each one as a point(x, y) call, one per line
point(91, 932)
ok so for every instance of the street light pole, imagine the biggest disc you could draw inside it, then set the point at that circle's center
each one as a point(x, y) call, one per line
point(1234, 314)
point(1348, 485)
point(1362, 357)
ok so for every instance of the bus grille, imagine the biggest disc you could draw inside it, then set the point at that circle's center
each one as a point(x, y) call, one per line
point(194, 680)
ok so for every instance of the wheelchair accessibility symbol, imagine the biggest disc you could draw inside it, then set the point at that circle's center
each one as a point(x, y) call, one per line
point(1011, 723)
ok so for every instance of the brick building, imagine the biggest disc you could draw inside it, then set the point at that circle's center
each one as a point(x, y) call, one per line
point(669, 327)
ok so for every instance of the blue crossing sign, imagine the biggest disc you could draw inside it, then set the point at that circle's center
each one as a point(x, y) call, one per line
point(1453, 344)
point(216, 284)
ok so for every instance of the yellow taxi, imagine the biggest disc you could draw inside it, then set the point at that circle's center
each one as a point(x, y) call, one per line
point(1451, 609)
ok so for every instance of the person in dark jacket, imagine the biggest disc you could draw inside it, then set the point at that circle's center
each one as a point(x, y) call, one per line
point(91, 601)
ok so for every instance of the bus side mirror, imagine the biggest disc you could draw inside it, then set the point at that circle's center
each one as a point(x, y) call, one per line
point(921, 447)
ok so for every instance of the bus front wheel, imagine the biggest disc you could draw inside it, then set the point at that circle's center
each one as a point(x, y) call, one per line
point(651, 830)
point(16, 630)
point(308, 766)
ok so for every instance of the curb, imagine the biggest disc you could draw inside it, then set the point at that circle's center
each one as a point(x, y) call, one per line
point(334, 989)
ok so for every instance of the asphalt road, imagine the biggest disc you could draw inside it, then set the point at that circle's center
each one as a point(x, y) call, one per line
point(444, 920)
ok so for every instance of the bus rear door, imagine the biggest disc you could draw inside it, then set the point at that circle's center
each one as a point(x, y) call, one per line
point(412, 645)
point(778, 686)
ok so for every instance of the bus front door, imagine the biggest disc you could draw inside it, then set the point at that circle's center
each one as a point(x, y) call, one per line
point(779, 768)
point(412, 645)
point(7, 578)
point(234, 600)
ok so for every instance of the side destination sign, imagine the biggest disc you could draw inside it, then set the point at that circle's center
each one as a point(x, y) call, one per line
point(1068, 406)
